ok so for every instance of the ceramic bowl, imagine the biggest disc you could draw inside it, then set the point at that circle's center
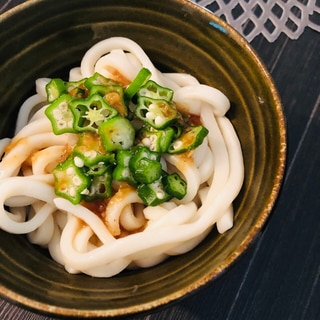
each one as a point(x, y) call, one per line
point(45, 38)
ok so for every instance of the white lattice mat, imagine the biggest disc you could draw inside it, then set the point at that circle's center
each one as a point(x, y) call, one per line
point(270, 18)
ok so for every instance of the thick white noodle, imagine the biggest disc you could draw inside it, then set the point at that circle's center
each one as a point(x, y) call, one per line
point(43, 234)
point(27, 109)
point(41, 87)
point(22, 150)
point(3, 144)
point(78, 238)
point(132, 217)
point(41, 125)
point(191, 96)
point(75, 74)
point(105, 47)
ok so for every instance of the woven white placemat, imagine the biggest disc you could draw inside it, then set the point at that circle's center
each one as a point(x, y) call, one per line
point(269, 18)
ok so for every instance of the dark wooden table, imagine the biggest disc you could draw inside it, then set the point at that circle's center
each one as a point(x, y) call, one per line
point(278, 276)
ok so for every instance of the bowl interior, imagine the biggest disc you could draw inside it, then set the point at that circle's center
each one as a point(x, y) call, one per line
point(46, 38)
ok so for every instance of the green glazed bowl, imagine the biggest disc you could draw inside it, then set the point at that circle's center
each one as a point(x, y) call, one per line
point(45, 38)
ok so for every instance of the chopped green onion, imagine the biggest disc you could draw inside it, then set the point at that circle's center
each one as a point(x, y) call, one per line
point(190, 139)
point(98, 79)
point(100, 186)
point(90, 150)
point(113, 95)
point(142, 77)
point(175, 185)
point(117, 134)
point(122, 171)
point(156, 112)
point(54, 89)
point(152, 90)
point(91, 112)
point(60, 115)
point(153, 194)
point(70, 181)
point(156, 140)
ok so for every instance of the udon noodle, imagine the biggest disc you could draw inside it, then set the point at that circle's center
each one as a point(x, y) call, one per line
point(75, 236)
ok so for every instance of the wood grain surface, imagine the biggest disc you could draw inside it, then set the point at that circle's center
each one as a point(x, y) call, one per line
point(278, 276)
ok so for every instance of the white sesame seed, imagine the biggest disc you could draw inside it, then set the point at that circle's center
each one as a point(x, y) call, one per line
point(72, 192)
point(76, 181)
point(150, 115)
point(159, 120)
point(160, 194)
point(78, 162)
point(146, 142)
point(70, 171)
